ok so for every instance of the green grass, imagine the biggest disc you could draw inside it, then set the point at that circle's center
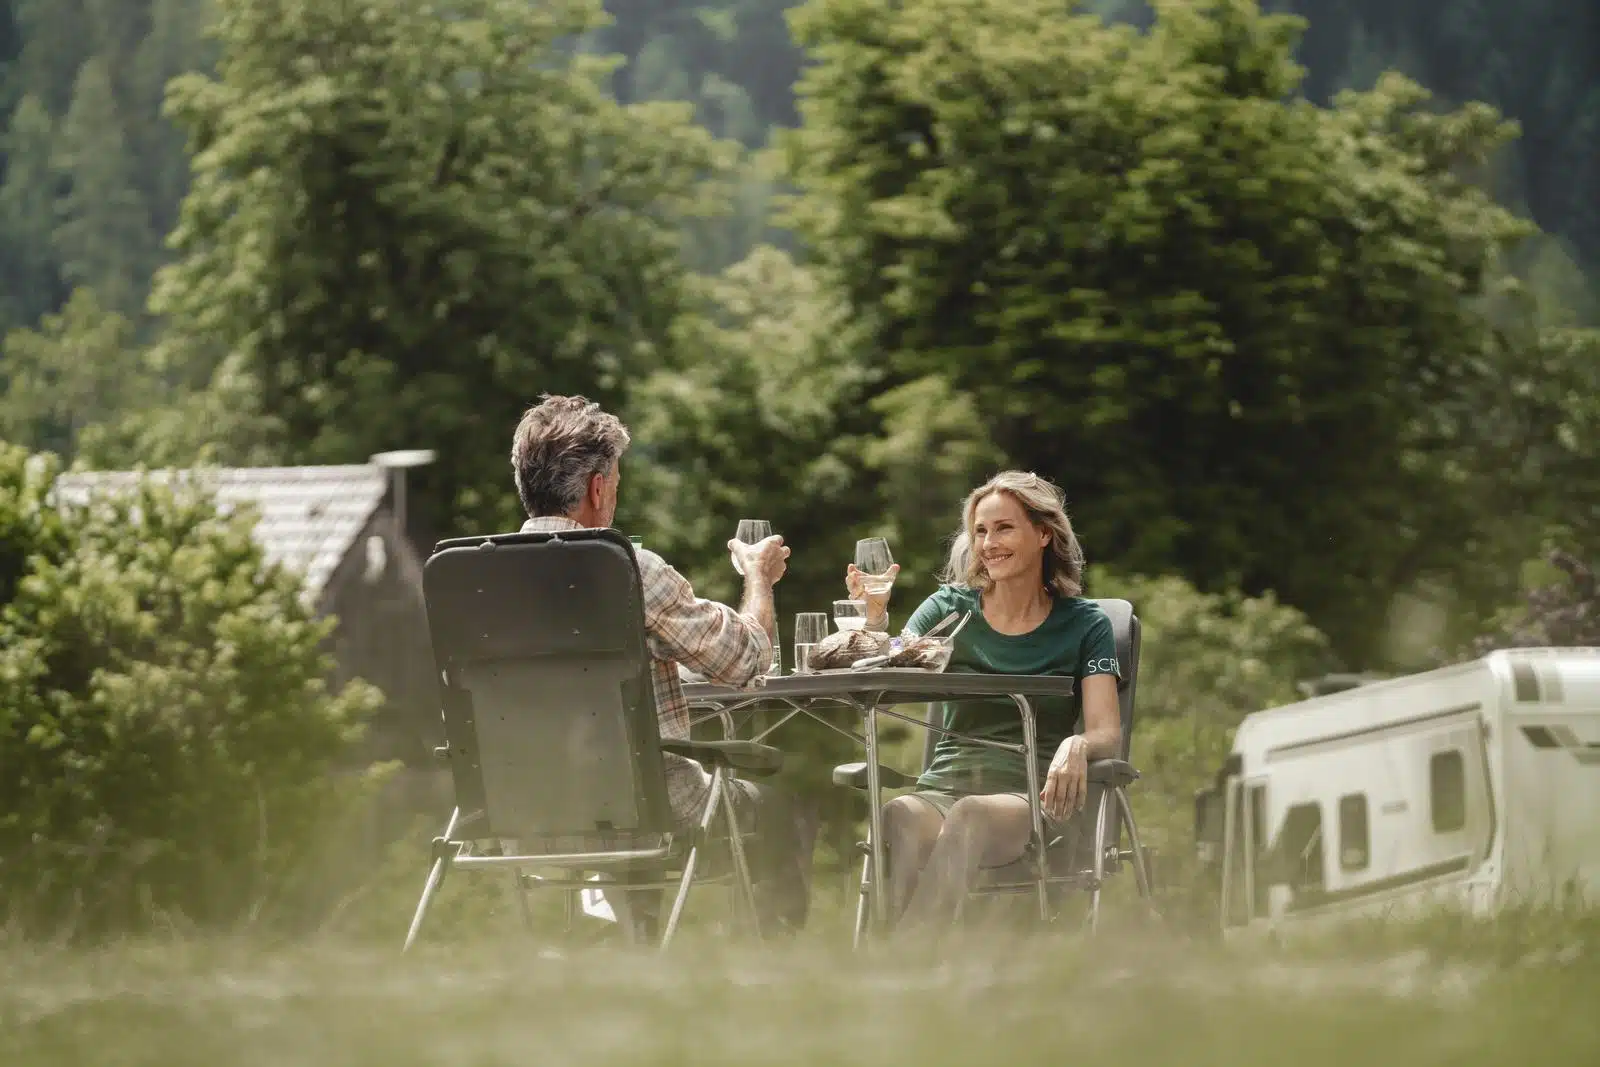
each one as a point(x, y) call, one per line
point(1441, 993)
point(479, 991)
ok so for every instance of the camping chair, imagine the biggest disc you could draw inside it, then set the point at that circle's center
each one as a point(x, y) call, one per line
point(550, 725)
point(1064, 865)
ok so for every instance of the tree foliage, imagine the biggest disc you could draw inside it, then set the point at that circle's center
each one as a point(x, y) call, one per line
point(406, 225)
point(1561, 610)
point(80, 368)
point(1213, 311)
point(167, 740)
point(1535, 60)
point(1207, 660)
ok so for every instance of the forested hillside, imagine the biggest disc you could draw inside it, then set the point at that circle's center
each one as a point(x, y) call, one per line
point(274, 336)
point(94, 174)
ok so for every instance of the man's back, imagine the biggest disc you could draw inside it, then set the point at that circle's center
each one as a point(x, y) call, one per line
point(711, 639)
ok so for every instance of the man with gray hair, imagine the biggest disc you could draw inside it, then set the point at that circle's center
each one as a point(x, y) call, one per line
point(566, 457)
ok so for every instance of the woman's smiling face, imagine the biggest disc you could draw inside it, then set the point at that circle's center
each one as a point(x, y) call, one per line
point(1003, 539)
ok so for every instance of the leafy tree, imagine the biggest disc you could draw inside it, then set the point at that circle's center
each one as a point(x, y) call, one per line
point(407, 226)
point(221, 421)
point(27, 216)
point(173, 46)
point(55, 46)
point(103, 235)
point(1535, 60)
point(167, 740)
point(80, 367)
point(1562, 610)
point(1212, 311)
point(28, 525)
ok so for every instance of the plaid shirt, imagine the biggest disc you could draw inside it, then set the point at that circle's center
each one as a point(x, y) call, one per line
point(711, 639)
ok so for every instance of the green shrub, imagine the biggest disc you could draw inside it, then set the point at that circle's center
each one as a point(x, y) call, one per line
point(168, 744)
point(1207, 660)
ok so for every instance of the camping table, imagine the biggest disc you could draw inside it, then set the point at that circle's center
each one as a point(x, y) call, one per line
point(873, 693)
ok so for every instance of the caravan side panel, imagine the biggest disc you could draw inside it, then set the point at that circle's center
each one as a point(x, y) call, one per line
point(1551, 748)
point(1376, 798)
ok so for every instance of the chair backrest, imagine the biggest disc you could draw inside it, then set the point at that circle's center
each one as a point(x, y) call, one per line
point(544, 679)
point(1125, 626)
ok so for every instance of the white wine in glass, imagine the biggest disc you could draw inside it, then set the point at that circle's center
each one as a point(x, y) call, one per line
point(873, 561)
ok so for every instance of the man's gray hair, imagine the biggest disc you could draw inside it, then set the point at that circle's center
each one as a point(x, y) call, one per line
point(559, 445)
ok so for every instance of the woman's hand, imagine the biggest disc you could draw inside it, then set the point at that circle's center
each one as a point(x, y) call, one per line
point(877, 603)
point(1066, 788)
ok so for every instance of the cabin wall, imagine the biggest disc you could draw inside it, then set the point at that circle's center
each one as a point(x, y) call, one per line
point(382, 637)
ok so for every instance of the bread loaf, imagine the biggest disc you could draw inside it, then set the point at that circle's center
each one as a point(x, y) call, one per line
point(842, 649)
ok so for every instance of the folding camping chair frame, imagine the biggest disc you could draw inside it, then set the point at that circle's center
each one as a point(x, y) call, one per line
point(594, 708)
point(1113, 812)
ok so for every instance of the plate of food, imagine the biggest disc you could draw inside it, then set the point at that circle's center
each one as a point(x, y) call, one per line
point(857, 650)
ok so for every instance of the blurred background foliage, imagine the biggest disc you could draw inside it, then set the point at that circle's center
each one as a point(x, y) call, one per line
point(1297, 300)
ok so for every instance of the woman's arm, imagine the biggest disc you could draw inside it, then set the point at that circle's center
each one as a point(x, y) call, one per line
point(1066, 786)
point(1102, 717)
point(1098, 676)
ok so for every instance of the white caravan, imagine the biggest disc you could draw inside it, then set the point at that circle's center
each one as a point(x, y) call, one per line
point(1476, 785)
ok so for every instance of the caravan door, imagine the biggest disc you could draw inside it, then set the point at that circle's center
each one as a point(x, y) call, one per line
point(1244, 836)
point(1383, 814)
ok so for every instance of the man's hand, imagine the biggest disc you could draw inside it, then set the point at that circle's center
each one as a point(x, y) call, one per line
point(764, 562)
point(1066, 789)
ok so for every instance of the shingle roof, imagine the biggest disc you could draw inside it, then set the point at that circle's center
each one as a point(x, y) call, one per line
point(310, 516)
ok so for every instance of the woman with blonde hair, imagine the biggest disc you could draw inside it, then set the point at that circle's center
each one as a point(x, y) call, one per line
point(1017, 566)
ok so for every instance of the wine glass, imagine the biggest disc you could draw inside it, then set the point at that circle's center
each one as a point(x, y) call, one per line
point(810, 627)
point(873, 561)
point(850, 614)
point(751, 531)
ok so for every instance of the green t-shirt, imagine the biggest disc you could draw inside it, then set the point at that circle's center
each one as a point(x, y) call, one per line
point(1074, 639)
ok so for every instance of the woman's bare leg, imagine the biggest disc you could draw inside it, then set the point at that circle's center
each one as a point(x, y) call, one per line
point(981, 831)
point(910, 828)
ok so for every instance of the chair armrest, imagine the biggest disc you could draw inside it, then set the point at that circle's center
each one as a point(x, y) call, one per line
point(854, 775)
point(749, 757)
point(1113, 772)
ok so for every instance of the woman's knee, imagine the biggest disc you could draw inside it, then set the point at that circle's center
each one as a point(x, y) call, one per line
point(977, 814)
point(908, 817)
point(996, 826)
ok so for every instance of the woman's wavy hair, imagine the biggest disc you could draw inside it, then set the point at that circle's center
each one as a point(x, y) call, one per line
point(1046, 507)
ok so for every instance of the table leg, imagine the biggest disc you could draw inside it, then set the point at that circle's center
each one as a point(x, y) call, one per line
point(880, 887)
point(1030, 741)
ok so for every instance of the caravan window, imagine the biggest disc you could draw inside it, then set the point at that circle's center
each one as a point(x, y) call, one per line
point(1296, 856)
point(1447, 789)
point(1354, 846)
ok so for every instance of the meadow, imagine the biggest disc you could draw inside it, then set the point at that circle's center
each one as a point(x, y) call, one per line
point(1443, 991)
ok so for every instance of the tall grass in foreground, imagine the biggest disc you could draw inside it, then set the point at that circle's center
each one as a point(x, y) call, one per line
point(1439, 995)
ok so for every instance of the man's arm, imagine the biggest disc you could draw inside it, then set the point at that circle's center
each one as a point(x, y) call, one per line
point(759, 606)
point(722, 645)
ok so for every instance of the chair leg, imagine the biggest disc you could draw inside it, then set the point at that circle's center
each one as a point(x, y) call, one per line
point(441, 866)
point(1141, 870)
point(862, 903)
point(745, 889)
point(569, 909)
point(522, 899)
point(1099, 866)
point(690, 861)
